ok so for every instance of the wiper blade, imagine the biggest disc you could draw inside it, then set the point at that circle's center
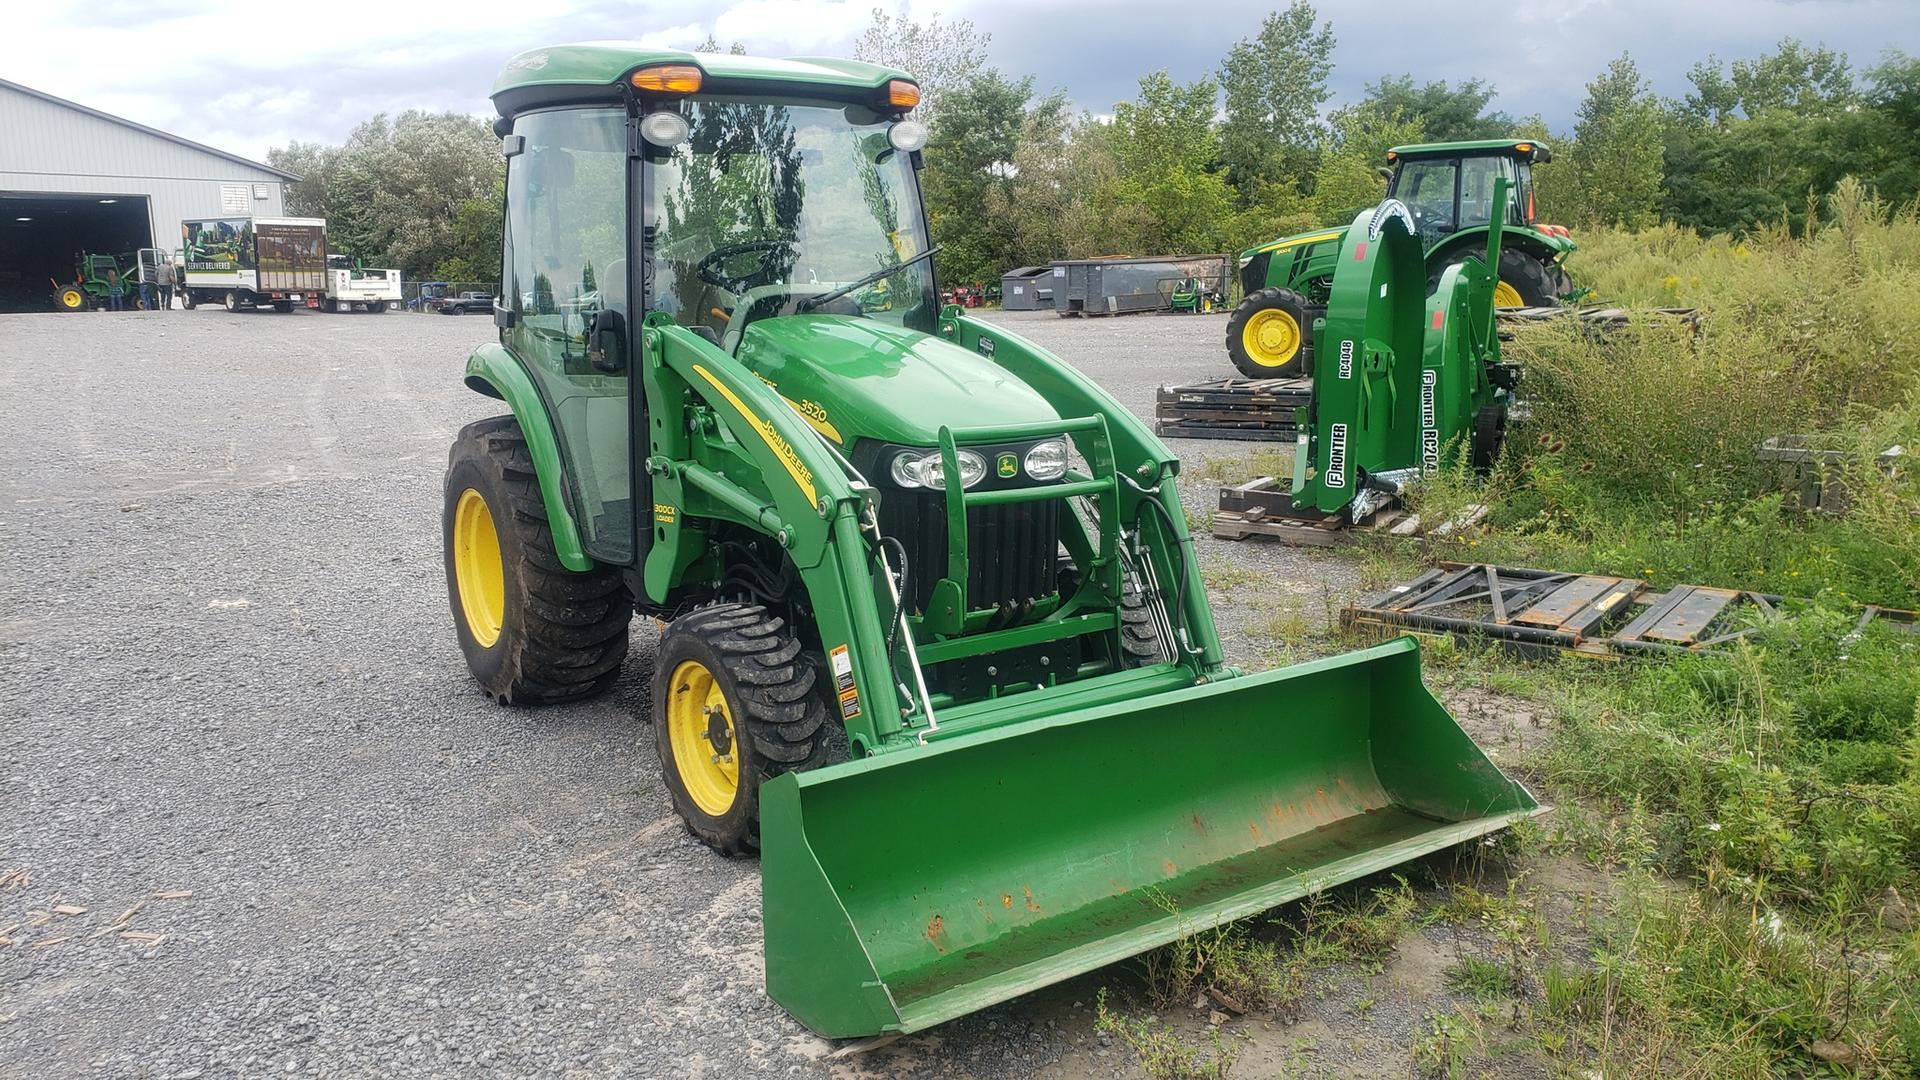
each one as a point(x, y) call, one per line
point(884, 272)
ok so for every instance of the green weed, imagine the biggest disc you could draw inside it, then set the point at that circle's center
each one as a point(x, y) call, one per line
point(1163, 1054)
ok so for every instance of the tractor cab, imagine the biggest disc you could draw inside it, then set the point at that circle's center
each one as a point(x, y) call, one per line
point(1448, 187)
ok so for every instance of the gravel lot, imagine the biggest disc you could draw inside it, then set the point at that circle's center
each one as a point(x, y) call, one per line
point(234, 709)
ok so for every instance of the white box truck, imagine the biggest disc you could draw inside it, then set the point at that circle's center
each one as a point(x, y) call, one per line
point(253, 262)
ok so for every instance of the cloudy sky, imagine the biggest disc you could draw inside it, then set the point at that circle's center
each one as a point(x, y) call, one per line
point(243, 78)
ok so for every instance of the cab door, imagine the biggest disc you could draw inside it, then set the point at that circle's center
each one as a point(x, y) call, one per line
point(565, 305)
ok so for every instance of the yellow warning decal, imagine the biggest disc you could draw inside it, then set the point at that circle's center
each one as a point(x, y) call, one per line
point(782, 449)
point(1298, 240)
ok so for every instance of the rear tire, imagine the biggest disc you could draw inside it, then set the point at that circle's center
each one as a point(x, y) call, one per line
point(70, 298)
point(533, 632)
point(283, 306)
point(231, 300)
point(1269, 336)
point(743, 661)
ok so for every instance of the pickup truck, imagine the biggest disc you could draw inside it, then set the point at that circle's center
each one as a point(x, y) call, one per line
point(464, 303)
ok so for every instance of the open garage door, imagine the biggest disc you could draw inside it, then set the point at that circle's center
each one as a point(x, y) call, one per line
point(41, 234)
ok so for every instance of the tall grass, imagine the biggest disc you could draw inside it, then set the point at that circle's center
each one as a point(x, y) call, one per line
point(1640, 455)
point(1767, 801)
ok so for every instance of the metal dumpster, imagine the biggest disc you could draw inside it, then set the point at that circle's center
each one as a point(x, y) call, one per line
point(1122, 286)
point(1030, 288)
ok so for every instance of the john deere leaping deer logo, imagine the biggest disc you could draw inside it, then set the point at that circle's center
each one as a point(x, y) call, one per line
point(1007, 466)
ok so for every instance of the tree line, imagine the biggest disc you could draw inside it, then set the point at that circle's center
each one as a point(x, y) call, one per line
point(1251, 152)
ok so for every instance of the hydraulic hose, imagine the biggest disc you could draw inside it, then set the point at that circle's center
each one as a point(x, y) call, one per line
point(1180, 551)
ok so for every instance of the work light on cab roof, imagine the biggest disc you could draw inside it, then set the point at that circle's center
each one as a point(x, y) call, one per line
point(939, 648)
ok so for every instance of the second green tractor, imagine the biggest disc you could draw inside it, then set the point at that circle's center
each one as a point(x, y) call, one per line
point(1448, 188)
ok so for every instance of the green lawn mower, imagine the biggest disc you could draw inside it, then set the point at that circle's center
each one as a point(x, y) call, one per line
point(936, 642)
point(1192, 296)
point(1448, 192)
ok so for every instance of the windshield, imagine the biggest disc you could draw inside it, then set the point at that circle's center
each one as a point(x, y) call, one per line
point(1428, 185)
point(766, 204)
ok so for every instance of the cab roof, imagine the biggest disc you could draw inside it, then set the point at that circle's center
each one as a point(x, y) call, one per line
point(592, 69)
point(1536, 150)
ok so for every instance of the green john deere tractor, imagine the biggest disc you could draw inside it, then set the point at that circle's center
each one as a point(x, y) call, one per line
point(89, 286)
point(1447, 188)
point(935, 641)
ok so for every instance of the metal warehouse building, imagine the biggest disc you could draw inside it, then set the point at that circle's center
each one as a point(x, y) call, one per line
point(75, 179)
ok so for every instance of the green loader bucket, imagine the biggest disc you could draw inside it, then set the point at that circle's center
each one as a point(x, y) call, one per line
point(914, 886)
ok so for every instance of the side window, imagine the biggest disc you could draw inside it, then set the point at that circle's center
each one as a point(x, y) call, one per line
point(1427, 189)
point(565, 261)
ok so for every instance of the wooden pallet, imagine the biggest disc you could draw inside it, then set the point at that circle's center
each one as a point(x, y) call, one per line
point(1582, 614)
point(1262, 507)
point(1252, 409)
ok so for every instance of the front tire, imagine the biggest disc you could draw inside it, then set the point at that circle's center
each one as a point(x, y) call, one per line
point(533, 632)
point(1268, 335)
point(231, 300)
point(186, 300)
point(735, 703)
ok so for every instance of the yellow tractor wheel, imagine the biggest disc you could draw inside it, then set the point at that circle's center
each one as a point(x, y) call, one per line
point(70, 298)
point(531, 631)
point(736, 702)
point(1267, 335)
point(1506, 295)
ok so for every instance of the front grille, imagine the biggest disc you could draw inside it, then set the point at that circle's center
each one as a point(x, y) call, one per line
point(1253, 276)
point(1013, 549)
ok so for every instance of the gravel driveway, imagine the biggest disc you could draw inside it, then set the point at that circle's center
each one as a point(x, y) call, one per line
point(254, 817)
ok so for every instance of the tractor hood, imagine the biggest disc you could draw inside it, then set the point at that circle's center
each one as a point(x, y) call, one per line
point(855, 378)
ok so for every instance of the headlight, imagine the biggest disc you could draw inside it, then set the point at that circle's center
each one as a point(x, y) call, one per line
point(664, 129)
point(973, 469)
point(906, 469)
point(923, 470)
point(1047, 460)
point(907, 136)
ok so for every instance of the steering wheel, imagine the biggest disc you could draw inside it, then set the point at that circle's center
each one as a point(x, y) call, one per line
point(709, 268)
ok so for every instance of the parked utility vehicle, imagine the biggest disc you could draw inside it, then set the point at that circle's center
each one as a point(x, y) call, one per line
point(352, 287)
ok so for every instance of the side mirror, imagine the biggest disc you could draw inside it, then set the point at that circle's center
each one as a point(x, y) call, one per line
point(1385, 173)
point(607, 342)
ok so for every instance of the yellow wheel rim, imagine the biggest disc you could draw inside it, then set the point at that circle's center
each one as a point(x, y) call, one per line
point(71, 299)
point(1271, 337)
point(706, 752)
point(477, 569)
point(1505, 295)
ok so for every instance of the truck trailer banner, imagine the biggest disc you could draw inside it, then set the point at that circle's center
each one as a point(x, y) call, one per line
point(219, 245)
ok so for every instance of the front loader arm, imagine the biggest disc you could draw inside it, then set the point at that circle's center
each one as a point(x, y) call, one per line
point(1139, 456)
point(723, 445)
